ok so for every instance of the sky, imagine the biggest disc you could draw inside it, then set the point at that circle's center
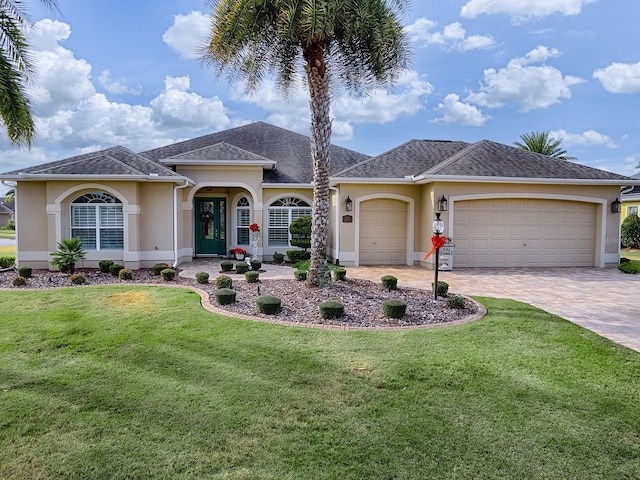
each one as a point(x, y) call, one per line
point(129, 73)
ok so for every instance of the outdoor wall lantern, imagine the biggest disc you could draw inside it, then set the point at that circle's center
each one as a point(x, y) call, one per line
point(438, 229)
point(348, 204)
point(616, 206)
point(442, 204)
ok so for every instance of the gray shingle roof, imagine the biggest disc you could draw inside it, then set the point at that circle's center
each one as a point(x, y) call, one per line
point(116, 161)
point(219, 151)
point(5, 209)
point(291, 151)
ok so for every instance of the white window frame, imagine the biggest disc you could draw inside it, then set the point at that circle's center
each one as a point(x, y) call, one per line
point(294, 208)
point(632, 210)
point(103, 205)
point(245, 228)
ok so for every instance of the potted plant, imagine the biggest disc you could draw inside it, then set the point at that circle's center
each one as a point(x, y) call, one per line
point(240, 253)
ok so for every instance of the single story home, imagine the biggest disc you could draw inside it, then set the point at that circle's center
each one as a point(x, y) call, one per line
point(502, 206)
point(630, 198)
point(6, 212)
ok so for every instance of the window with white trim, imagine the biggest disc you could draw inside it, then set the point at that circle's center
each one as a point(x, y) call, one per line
point(97, 219)
point(243, 219)
point(632, 210)
point(280, 215)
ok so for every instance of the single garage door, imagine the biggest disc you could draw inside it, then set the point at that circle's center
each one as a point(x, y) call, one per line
point(383, 232)
point(524, 233)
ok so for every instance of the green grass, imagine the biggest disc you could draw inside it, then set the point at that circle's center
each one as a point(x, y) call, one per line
point(141, 383)
point(304, 265)
point(632, 254)
point(10, 234)
point(7, 251)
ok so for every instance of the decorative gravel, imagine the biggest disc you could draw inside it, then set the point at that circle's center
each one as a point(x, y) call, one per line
point(300, 304)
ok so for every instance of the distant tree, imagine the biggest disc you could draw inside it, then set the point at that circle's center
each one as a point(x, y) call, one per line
point(541, 142)
point(10, 196)
point(15, 71)
point(630, 231)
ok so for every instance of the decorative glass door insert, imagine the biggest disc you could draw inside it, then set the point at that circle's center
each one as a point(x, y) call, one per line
point(210, 223)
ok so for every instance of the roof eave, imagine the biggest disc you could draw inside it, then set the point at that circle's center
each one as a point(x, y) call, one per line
point(138, 178)
point(266, 165)
point(376, 181)
point(423, 179)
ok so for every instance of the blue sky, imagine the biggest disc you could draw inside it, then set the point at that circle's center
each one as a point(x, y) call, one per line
point(128, 73)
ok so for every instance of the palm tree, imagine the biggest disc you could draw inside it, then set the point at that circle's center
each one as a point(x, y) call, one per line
point(10, 195)
point(15, 71)
point(541, 142)
point(353, 44)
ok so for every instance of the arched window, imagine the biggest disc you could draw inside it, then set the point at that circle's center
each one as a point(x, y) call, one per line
point(243, 219)
point(281, 213)
point(97, 219)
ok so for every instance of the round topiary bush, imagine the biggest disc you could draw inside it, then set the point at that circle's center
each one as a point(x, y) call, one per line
point(226, 265)
point(268, 304)
point(77, 279)
point(168, 274)
point(158, 267)
point(300, 275)
point(389, 282)
point(202, 277)
point(225, 296)
point(224, 281)
point(339, 273)
point(256, 265)
point(394, 308)
point(115, 269)
point(104, 265)
point(278, 258)
point(242, 267)
point(443, 288)
point(24, 272)
point(19, 281)
point(125, 274)
point(331, 309)
point(252, 277)
point(456, 302)
point(629, 267)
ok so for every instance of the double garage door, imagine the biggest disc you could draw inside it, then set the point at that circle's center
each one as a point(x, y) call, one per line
point(524, 232)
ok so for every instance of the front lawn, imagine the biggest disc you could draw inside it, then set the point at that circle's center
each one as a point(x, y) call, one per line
point(10, 234)
point(142, 383)
point(632, 254)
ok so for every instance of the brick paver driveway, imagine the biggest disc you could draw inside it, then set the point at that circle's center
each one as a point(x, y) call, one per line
point(603, 300)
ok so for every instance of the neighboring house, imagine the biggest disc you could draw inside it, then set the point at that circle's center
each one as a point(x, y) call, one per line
point(630, 198)
point(6, 212)
point(506, 207)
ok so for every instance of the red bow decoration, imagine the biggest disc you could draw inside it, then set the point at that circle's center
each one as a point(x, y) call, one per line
point(436, 242)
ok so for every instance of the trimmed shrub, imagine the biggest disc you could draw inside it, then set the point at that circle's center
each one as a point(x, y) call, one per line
point(125, 274)
point(168, 274)
point(78, 279)
point(300, 230)
point(389, 282)
point(115, 269)
point(394, 308)
point(225, 296)
point(252, 277)
point(339, 273)
point(296, 256)
point(7, 262)
point(226, 265)
point(331, 309)
point(202, 277)
point(223, 281)
point(278, 258)
point(24, 272)
point(630, 231)
point(629, 267)
point(256, 265)
point(242, 267)
point(268, 304)
point(104, 265)
point(456, 302)
point(443, 288)
point(158, 267)
point(19, 281)
point(300, 275)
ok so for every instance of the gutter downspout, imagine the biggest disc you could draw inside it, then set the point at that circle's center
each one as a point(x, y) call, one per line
point(337, 230)
point(175, 221)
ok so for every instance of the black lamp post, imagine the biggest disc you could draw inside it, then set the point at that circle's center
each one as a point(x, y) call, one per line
point(438, 229)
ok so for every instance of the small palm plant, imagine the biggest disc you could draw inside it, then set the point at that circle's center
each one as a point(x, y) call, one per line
point(68, 253)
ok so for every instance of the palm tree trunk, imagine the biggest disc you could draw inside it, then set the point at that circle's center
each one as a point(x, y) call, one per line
point(320, 104)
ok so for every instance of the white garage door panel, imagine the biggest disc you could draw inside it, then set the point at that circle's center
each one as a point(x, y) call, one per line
point(524, 232)
point(383, 232)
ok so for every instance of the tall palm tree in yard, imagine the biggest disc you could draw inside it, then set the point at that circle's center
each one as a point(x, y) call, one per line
point(15, 71)
point(353, 44)
point(541, 142)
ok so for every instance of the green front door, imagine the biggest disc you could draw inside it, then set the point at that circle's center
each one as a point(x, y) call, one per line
point(211, 226)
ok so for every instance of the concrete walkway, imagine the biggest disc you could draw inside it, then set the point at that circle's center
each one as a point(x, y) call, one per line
point(602, 300)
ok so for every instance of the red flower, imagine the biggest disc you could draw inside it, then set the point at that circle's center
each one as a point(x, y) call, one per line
point(240, 251)
point(254, 227)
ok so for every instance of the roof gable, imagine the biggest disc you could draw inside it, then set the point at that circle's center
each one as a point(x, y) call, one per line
point(219, 151)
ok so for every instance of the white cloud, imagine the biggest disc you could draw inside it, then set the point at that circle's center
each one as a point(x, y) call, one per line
point(520, 82)
point(455, 111)
point(116, 87)
point(452, 36)
point(523, 9)
point(620, 77)
point(188, 34)
point(589, 138)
